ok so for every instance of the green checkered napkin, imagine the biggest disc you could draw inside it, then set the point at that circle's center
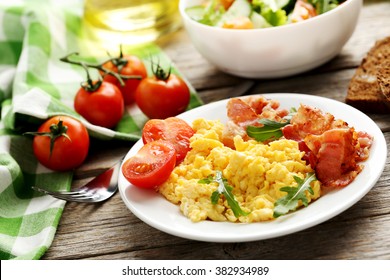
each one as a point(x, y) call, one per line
point(34, 85)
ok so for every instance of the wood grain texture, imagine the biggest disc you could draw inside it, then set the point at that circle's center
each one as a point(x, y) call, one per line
point(111, 231)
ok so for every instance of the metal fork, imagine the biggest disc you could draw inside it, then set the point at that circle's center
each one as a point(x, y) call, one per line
point(99, 189)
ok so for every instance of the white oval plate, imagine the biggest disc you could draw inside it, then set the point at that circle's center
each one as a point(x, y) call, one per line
point(155, 210)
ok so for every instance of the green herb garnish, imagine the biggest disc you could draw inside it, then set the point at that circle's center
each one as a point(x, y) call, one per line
point(323, 6)
point(225, 189)
point(271, 130)
point(294, 194)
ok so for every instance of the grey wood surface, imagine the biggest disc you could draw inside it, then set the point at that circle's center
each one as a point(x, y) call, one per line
point(111, 231)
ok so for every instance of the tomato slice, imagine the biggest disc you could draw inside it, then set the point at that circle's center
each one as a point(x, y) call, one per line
point(172, 129)
point(152, 165)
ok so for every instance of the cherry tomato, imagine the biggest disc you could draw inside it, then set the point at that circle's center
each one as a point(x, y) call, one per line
point(102, 106)
point(152, 165)
point(68, 146)
point(129, 65)
point(226, 3)
point(172, 129)
point(162, 96)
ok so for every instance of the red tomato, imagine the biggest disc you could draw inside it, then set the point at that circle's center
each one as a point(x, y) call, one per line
point(66, 152)
point(152, 165)
point(103, 106)
point(172, 129)
point(159, 99)
point(132, 66)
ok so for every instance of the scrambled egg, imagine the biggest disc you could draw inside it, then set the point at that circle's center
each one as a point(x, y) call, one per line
point(256, 171)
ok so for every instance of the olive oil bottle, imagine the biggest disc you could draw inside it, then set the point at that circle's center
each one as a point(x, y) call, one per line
point(133, 21)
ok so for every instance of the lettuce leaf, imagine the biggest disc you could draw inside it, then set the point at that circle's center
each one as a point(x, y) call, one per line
point(274, 5)
point(323, 6)
point(208, 15)
point(277, 18)
point(272, 10)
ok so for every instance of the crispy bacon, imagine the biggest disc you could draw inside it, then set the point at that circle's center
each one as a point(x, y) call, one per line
point(311, 120)
point(246, 111)
point(331, 147)
point(266, 108)
point(241, 113)
point(335, 156)
point(364, 142)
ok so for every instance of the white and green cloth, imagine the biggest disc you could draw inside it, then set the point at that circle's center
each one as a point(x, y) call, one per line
point(34, 85)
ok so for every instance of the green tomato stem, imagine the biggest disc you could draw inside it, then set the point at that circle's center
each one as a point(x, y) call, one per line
point(100, 67)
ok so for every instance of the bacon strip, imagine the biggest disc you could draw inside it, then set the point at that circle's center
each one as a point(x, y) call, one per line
point(243, 112)
point(331, 147)
point(335, 155)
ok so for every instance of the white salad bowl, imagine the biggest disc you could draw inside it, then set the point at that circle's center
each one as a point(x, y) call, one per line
point(275, 51)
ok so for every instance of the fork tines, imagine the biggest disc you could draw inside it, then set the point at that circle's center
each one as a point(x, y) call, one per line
point(80, 195)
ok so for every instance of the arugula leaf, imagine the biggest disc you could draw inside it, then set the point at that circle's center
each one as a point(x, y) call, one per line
point(294, 194)
point(293, 111)
point(271, 130)
point(223, 189)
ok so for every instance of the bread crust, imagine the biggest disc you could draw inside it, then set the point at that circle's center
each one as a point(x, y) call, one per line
point(369, 88)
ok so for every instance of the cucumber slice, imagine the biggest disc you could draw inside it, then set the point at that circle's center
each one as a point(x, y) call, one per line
point(195, 12)
point(259, 21)
point(239, 8)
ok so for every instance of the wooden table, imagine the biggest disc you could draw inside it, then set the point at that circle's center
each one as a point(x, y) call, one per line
point(111, 231)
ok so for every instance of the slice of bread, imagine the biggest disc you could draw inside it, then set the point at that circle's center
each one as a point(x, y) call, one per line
point(369, 84)
point(383, 77)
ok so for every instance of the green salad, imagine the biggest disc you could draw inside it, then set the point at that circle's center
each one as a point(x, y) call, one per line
point(244, 14)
